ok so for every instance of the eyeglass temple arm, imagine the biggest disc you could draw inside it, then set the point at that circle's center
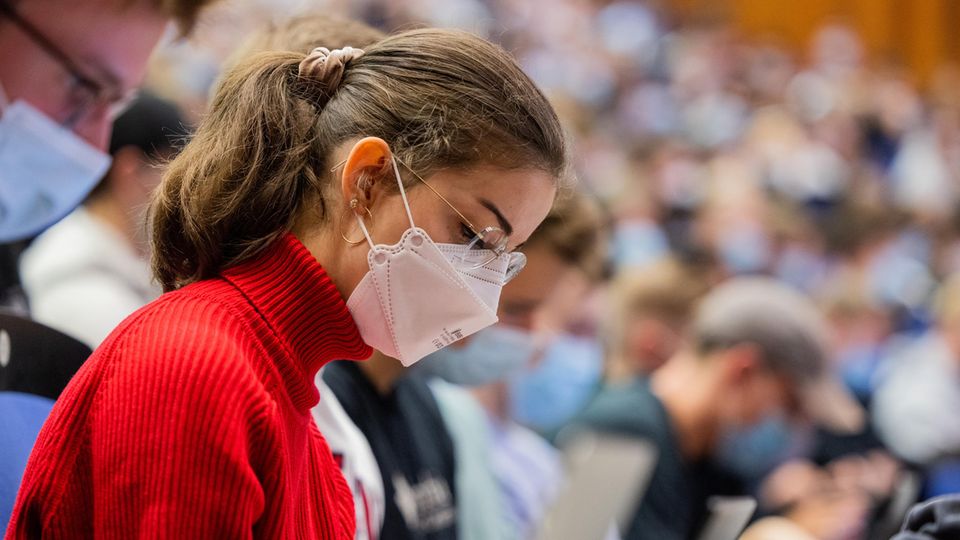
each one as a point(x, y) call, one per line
point(473, 229)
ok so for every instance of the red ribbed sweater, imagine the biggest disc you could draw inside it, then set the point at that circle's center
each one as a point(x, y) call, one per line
point(192, 420)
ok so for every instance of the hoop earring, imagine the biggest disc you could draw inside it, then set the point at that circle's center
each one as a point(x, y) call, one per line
point(353, 206)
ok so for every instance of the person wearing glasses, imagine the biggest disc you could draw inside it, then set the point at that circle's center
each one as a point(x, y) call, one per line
point(66, 69)
point(330, 203)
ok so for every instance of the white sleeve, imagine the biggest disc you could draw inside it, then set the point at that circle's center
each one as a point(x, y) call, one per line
point(88, 306)
point(357, 462)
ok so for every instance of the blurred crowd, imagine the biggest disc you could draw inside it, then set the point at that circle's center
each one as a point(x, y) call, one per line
point(709, 156)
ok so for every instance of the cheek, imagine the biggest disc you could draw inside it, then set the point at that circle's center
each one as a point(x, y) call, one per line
point(25, 73)
point(390, 221)
point(429, 214)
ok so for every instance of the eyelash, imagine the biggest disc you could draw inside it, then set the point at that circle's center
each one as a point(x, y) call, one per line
point(466, 233)
point(468, 236)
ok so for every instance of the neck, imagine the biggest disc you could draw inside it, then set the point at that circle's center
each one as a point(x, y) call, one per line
point(494, 399)
point(689, 405)
point(618, 369)
point(334, 255)
point(383, 371)
point(108, 211)
point(950, 339)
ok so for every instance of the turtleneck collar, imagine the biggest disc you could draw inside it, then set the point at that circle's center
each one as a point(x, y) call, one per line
point(303, 310)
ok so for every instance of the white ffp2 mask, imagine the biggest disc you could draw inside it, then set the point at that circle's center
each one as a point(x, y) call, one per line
point(414, 300)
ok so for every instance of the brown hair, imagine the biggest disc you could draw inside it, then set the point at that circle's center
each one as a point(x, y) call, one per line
point(442, 99)
point(575, 231)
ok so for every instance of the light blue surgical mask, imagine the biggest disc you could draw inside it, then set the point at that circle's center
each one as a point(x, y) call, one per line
point(491, 355)
point(547, 395)
point(753, 451)
point(46, 170)
point(744, 248)
point(638, 244)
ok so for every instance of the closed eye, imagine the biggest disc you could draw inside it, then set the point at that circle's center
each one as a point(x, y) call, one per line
point(469, 236)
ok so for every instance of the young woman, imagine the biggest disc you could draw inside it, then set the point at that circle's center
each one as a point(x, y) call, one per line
point(329, 203)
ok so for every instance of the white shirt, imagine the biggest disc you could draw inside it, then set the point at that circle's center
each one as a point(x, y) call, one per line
point(83, 278)
point(359, 466)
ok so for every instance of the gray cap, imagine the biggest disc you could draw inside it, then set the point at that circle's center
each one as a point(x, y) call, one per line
point(791, 336)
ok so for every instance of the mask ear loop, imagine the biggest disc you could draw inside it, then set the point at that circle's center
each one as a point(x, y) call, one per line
point(403, 192)
point(406, 205)
point(366, 233)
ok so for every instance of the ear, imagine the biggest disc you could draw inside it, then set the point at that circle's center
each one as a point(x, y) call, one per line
point(127, 161)
point(367, 161)
point(740, 363)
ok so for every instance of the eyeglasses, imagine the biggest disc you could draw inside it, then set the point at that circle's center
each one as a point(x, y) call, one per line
point(486, 245)
point(84, 93)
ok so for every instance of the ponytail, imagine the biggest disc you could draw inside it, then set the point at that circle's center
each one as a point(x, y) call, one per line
point(211, 211)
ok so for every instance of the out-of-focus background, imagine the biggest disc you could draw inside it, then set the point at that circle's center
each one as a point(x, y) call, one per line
point(817, 142)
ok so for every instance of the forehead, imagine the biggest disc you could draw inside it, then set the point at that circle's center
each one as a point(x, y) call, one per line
point(111, 39)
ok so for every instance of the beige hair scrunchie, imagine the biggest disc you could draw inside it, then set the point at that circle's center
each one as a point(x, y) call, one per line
point(326, 66)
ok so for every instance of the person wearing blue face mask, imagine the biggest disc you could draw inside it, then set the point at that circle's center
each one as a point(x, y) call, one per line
point(646, 313)
point(66, 69)
point(471, 382)
point(755, 352)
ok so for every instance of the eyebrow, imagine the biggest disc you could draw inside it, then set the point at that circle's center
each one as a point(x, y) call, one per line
point(504, 224)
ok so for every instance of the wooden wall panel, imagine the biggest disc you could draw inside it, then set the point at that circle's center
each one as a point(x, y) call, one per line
point(919, 33)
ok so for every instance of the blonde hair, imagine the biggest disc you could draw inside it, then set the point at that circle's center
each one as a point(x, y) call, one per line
point(669, 290)
point(575, 232)
point(442, 99)
point(946, 302)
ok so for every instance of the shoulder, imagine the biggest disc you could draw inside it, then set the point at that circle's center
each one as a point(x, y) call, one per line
point(184, 340)
point(630, 409)
point(77, 242)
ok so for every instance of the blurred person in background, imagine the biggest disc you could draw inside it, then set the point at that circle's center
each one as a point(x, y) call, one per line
point(915, 406)
point(349, 446)
point(754, 356)
point(65, 70)
point(506, 475)
point(545, 394)
point(647, 314)
point(193, 417)
point(848, 498)
point(90, 271)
